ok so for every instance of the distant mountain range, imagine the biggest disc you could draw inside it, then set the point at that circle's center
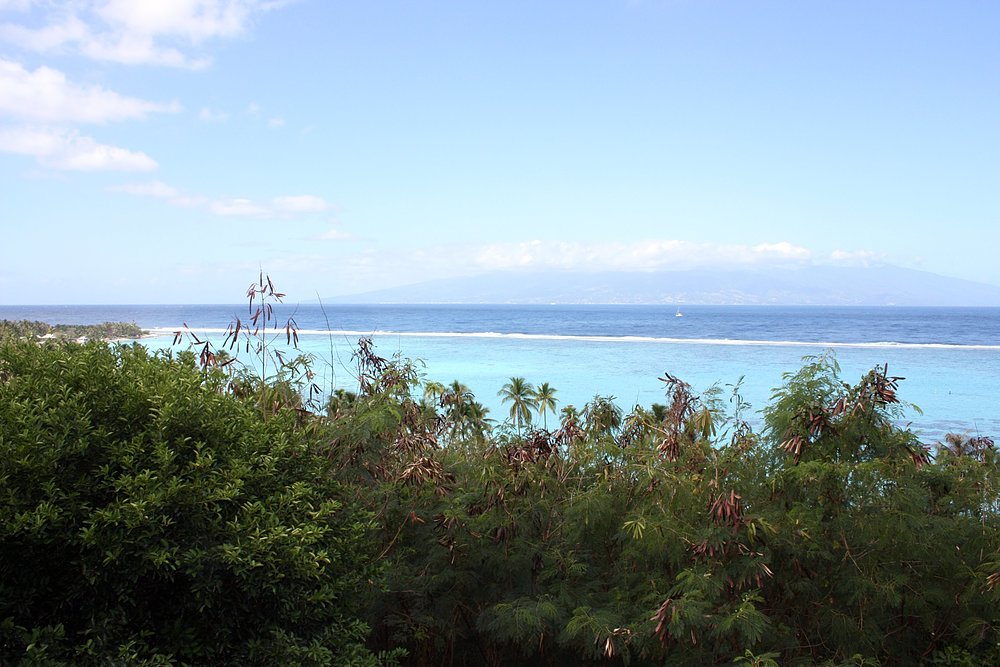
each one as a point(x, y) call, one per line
point(805, 285)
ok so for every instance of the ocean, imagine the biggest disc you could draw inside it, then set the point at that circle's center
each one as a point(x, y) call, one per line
point(949, 357)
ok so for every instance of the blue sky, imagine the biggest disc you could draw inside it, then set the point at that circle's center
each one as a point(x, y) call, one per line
point(163, 151)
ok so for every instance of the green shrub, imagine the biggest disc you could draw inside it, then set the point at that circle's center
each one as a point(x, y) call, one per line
point(677, 535)
point(147, 517)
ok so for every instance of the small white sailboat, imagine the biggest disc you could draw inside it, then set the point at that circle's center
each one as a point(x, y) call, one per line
point(679, 313)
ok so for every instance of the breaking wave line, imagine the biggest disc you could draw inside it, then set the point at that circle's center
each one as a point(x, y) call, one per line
point(604, 339)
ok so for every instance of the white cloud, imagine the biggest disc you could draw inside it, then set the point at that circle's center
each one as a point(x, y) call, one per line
point(237, 207)
point(132, 49)
point(194, 20)
point(49, 38)
point(68, 150)
point(154, 32)
point(280, 207)
point(276, 122)
point(299, 204)
point(45, 99)
point(369, 266)
point(45, 96)
point(160, 190)
point(780, 251)
point(156, 189)
point(212, 115)
point(33, 142)
point(183, 201)
point(85, 154)
point(638, 256)
point(335, 235)
point(856, 257)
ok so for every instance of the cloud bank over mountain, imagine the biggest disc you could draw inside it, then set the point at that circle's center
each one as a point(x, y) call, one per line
point(805, 284)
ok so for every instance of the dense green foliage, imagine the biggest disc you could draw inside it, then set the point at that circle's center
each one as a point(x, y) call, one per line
point(147, 517)
point(154, 510)
point(676, 535)
point(33, 329)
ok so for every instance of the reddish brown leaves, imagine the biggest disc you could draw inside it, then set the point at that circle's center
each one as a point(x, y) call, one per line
point(961, 446)
point(610, 649)
point(681, 408)
point(662, 618)
point(426, 469)
point(375, 373)
point(814, 422)
point(570, 432)
point(877, 389)
point(921, 456)
point(793, 444)
point(536, 446)
point(727, 510)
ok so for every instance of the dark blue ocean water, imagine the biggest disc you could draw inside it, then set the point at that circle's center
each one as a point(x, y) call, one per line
point(950, 357)
point(816, 324)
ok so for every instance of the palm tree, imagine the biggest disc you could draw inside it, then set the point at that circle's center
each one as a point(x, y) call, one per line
point(959, 445)
point(340, 401)
point(639, 424)
point(455, 399)
point(520, 394)
point(602, 416)
point(457, 392)
point(569, 428)
point(433, 391)
point(545, 401)
point(475, 423)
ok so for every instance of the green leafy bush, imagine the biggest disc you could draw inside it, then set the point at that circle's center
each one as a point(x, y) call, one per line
point(677, 535)
point(155, 513)
point(148, 517)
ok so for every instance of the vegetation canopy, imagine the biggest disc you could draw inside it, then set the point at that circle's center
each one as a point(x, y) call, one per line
point(161, 509)
point(32, 329)
point(149, 517)
point(676, 534)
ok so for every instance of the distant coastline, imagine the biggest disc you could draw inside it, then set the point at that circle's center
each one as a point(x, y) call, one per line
point(105, 331)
